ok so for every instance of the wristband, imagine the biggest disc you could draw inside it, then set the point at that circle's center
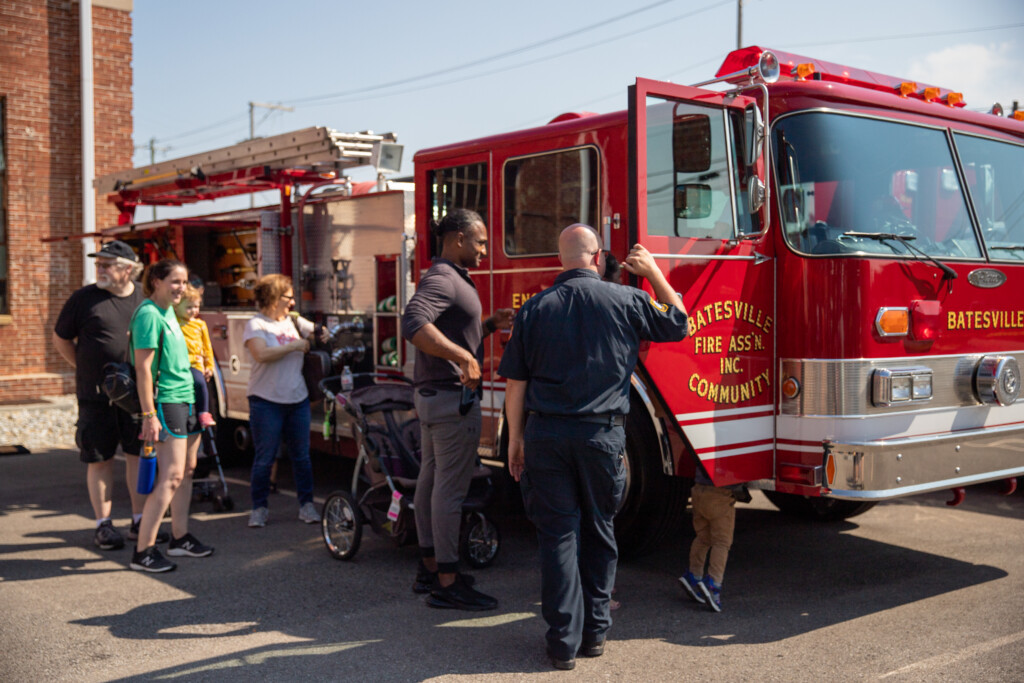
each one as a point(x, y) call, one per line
point(489, 325)
point(151, 413)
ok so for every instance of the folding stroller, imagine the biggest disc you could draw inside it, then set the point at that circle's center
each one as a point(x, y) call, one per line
point(387, 434)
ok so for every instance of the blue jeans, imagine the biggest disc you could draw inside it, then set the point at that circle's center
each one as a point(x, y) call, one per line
point(270, 423)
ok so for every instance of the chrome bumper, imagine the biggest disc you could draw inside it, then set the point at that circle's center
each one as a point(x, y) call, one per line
point(878, 470)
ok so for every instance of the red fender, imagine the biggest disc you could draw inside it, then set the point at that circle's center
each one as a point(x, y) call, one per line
point(959, 493)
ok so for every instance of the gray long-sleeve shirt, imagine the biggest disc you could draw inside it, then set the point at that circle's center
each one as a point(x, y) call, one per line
point(446, 297)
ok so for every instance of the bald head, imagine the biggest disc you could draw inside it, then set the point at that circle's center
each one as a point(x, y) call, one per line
point(578, 246)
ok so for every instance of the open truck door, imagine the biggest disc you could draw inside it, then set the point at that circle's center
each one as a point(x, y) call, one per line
point(698, 205)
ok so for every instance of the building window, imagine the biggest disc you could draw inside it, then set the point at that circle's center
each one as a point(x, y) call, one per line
point(544, 194)
point(5, 304)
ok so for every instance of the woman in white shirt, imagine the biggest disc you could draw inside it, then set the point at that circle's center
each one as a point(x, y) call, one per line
point(278, 399)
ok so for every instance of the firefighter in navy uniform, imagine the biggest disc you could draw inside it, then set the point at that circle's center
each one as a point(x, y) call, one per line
point(568, 363)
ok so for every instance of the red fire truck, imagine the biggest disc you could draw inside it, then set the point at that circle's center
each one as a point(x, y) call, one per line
point(850, 247)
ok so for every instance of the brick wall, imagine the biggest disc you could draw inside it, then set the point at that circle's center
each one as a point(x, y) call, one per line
point(39, 81)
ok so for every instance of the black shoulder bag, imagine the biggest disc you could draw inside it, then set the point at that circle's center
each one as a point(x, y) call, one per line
point(119, 380)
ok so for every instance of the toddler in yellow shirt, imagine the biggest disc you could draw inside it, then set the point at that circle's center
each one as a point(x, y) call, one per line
point(200, 350)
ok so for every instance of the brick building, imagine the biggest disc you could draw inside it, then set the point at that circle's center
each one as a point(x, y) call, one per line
point(40, 171)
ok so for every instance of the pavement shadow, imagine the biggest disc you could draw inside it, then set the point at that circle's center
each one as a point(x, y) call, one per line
point(787, 577)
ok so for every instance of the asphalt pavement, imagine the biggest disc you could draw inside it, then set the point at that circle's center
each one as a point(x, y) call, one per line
point(911, 591)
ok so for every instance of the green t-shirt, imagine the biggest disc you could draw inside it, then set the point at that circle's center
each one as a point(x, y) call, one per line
point(175, 383)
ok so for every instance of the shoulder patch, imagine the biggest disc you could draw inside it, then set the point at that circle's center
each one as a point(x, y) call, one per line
point(661, 307)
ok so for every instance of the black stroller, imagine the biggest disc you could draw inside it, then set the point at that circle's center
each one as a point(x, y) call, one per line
point(387, 434)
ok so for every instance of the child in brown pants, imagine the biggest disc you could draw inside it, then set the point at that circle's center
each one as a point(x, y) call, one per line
point(714, 518)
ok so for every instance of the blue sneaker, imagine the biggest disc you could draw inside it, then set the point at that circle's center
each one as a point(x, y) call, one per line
point(712, 593)
point(691, 584)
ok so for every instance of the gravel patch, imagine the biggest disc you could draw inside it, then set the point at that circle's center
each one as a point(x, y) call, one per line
point(45, 424)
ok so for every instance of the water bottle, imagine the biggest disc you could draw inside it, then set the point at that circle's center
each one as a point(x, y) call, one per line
point(147, 469)
point(346, 380)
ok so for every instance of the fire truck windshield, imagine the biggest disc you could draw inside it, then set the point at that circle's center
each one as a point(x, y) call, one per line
point(993, 172)
point(844, 180)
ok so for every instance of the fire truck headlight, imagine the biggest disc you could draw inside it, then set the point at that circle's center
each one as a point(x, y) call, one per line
point(900, 388)
point(901, 385)
point(922, 389)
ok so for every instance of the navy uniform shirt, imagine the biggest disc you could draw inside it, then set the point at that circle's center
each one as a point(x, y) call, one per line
point(447, 298)
point(576, 343)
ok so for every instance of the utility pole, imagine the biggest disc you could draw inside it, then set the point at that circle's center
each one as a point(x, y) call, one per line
point(252, 128)
point(739, 24)
point(152, 159)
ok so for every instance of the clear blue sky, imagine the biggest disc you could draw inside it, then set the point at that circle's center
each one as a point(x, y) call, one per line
point(500, 66)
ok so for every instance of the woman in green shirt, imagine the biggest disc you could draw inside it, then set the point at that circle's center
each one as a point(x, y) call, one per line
point(169, 419)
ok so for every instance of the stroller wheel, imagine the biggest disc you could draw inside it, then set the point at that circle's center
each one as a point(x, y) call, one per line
point(223, 503)
point(479, 541)
point(342, 525)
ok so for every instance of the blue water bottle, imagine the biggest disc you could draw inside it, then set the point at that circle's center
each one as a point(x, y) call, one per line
point(147, 469)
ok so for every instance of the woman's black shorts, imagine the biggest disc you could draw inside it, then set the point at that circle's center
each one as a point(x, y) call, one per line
point(179, 420)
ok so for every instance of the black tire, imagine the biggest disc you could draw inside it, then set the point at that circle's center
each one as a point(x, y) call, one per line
point(654, 502)
point(816, 508)
point(342, 525)
point(479, 540)
point(225, 503)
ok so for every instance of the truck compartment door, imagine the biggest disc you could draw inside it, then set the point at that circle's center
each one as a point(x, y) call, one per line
point(689, 176)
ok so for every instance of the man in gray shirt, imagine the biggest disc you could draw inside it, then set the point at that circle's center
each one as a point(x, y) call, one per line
point(442, 321)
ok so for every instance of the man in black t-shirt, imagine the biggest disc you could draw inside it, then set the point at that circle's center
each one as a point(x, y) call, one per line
point(91, 331)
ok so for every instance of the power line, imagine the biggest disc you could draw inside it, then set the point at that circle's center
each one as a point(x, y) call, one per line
point(531, 62)
point(491, 58)
point(203, 129)
point(901, 36)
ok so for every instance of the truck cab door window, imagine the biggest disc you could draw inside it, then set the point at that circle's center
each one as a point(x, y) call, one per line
point(543, 194)
point(688, 171)
point(457, 187)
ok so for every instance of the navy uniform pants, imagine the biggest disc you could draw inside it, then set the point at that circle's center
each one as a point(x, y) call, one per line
point(573, 482)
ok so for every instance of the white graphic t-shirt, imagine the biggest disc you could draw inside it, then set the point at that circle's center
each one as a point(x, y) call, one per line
point(279, 381)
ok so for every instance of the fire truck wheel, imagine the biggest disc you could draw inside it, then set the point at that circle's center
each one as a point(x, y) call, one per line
point(654, 502)
point(814, 508)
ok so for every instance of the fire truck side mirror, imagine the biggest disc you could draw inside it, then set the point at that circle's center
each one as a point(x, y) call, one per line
point(693, 200)
point(755, 194)
point(754, 135)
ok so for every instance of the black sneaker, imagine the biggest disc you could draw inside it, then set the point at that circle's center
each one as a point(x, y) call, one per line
point(107, 537)
point(460, 596)
point(150, 560)
point(161, 536)
point(188, 546)
point(426, 580)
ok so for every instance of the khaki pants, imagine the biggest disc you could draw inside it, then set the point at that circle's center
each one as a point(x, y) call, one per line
point(714, 518)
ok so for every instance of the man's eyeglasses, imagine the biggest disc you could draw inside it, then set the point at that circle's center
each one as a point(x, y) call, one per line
point(288, 296)
point(107, 266)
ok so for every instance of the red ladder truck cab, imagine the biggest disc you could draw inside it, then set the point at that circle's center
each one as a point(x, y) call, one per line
point(850, 248)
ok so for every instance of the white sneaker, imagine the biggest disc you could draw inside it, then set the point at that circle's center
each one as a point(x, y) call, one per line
point(308, 514)
point(258, 517)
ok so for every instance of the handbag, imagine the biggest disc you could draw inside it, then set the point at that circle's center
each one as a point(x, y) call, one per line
point(119, 380)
